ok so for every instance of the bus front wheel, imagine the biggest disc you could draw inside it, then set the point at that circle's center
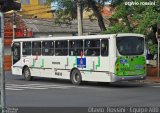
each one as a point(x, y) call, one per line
point(27, 74)
point(76, 77)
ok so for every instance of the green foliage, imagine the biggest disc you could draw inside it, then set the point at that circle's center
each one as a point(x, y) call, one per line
point(67, 10)
point(153, 48)
point(116, 28)
point(148, 19)
point(136, 19)
point(122, 11)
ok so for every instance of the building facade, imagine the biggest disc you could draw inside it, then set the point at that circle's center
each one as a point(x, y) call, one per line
point(35, 9)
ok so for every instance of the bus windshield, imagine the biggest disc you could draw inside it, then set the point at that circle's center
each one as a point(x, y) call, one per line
point(130, 45)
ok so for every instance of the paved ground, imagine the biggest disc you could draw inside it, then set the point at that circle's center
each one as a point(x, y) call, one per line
point(153, 79)
point(44, 92)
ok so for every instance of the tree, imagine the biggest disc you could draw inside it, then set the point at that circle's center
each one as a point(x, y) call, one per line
point(67, 10)
point(96, 8)
point(136, 19)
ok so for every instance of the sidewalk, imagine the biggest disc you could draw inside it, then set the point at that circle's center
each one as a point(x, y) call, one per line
point(152, 75)
point(153, 79)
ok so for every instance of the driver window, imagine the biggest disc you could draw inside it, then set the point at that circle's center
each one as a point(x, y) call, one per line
point(16, 52)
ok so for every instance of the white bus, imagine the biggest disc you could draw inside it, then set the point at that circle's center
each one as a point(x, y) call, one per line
point(99, 58)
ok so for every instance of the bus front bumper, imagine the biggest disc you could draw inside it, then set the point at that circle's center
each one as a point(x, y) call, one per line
point(115, 78)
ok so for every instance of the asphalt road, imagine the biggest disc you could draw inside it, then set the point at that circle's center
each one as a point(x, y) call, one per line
point(42, 92)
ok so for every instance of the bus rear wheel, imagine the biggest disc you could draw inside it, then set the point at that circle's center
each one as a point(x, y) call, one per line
point(76, 77)
point(27, 74)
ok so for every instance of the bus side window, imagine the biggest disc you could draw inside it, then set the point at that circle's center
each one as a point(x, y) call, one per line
point(75, 47)
point(26, 48)
point(104, 47)
point(92, 47)
point(61, 48)
point(36, 48)
point(48, 48)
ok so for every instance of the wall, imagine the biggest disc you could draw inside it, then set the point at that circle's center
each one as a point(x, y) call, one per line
point(36, 10)
point(8, 36)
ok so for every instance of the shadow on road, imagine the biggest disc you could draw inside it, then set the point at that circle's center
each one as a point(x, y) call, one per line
point(127, 84)
point(124, 84)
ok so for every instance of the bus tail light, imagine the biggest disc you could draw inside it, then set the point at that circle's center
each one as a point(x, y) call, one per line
point(117, 67)
point(144, 66)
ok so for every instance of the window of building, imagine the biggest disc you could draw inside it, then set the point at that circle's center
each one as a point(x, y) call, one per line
point(92, 47)
point(61, 48)
point(104, 47)
point(48, 48)
point(25, 2)
point(41, 2)
point(26, 48)
point(36, 48)
point(75, 47)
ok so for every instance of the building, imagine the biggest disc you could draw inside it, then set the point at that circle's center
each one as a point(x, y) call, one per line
point(44, 28)
point(21, 30)
point(35, 9)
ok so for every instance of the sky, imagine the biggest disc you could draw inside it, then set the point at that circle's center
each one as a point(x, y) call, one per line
point(54, 5)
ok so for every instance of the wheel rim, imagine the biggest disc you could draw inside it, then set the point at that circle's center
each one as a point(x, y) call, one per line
point(26, 73)
point(76, 77)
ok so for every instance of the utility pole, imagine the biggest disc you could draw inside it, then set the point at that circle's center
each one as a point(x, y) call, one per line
point(2, 74)
point(13, 24)
point(5, 6)
point(158, 40)
point(79, 17)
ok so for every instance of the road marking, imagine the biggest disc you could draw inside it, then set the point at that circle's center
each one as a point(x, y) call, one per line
point(30, 85)
point(38, 86)
point(13, 89)
point(156, 86)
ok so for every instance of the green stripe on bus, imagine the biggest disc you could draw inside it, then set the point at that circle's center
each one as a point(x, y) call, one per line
point(99, 63)
point(75, 64)
point(33, 63)
point(42, 63)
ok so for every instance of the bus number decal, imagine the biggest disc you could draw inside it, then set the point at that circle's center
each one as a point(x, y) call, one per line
point(58, 63)
point(26, 61)
point(58, 73)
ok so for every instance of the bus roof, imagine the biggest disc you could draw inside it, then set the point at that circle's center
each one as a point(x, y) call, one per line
point(77, 37)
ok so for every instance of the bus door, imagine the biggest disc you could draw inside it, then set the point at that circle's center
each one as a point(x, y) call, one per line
point(16, 58)
point(105, 58)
